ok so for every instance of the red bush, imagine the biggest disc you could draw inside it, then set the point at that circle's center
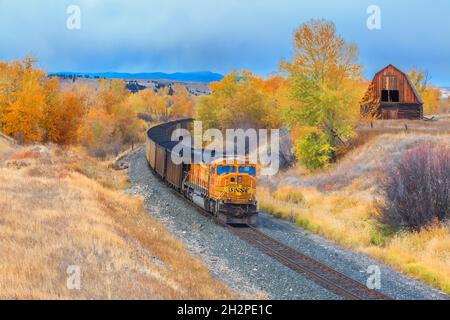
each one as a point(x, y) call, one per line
point(417, 188)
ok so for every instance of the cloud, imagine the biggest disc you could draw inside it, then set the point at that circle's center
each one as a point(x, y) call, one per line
point(220, 35)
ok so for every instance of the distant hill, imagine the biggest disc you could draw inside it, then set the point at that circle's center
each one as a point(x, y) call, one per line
point(445, 92)
point(201, 76)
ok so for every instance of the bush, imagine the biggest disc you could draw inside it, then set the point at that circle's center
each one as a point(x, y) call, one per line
point(314, 151)
point(416, 189)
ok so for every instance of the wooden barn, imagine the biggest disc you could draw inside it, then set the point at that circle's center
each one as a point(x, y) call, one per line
point(392, 95)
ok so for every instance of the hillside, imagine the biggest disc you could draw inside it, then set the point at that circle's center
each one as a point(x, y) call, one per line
point(6, 144)
point(364, 162)
point(340, 203)
point(60, 209)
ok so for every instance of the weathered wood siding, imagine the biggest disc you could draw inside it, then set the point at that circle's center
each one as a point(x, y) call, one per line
point(405, 91)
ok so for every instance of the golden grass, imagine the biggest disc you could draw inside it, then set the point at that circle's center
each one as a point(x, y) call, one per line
point(53, 215)
point(346, 219)
point(289, 194)
point(5, 144)
point(349, 219)
point(340, 206)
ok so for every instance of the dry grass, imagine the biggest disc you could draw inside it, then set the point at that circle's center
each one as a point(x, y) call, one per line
point(54, 213)
point(347, 219)
point(6, 144)
point(440, 124)
point(289, 194)
point(339, 204)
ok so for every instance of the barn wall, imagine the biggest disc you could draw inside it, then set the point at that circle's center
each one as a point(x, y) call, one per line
point(405, 91)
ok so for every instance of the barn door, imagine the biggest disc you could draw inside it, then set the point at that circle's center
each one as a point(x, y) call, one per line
point(389, 114)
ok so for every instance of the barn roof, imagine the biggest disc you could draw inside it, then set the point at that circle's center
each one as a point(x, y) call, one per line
point(407, 79)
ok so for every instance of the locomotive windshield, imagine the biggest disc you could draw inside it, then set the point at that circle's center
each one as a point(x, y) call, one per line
point(225, 169)
point(248, 170)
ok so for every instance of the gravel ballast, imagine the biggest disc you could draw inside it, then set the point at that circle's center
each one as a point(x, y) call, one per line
point(247, 271)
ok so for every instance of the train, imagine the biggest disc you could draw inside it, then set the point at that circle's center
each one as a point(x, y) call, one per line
point(223, 186)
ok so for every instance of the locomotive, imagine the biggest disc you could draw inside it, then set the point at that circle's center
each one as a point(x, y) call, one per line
point(224, 186)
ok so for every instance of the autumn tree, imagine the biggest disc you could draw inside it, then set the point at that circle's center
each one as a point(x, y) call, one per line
point(112, 121)
point(154, 105)
point(22, 99)
point(325, 86)
point(369, 104)
point(241, 100)
point(64, 118)
point(96, 133)
point(430, 94)
point(182, 104)
point(33, 107)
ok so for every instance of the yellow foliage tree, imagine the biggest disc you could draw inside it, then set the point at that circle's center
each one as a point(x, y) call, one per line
point(431, 100)
point(154, 105)
point(430, 94)
point(182, 104)
point(242, 100)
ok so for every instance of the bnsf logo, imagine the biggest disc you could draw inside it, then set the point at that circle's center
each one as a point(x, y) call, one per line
point(237, 189)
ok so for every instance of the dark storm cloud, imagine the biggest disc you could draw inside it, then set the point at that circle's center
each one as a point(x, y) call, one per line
point(178, 35)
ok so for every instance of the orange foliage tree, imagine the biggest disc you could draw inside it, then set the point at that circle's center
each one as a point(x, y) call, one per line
point(22, 100)
point(112, 119)
point(182, 104)
point(33, 108)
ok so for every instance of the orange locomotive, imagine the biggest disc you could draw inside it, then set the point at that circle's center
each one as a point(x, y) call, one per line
point(225, 187)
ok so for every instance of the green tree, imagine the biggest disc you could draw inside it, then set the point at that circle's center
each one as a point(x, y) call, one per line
point(325, 87)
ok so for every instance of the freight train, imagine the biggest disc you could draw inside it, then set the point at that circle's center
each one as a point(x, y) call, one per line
point(224, 187)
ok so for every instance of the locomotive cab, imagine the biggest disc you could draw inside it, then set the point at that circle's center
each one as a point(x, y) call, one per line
point(232, 191)
point(233, 183)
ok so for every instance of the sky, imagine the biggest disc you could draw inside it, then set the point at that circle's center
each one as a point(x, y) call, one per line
point(219, 35)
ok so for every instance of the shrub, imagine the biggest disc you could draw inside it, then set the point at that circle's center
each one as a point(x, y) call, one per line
point(416, 189)
point(314, 151)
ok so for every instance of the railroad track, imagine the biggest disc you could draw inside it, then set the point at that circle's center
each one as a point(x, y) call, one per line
point(320, 273)
point(312, 269)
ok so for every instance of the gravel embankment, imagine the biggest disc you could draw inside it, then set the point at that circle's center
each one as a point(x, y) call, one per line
point(246, 270)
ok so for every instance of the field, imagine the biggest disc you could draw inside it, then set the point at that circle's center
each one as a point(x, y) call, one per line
point(60, 209)
point(439, 124)
point(339, 204)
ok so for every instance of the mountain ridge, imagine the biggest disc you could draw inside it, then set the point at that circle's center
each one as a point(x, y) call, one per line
point(198, 76)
